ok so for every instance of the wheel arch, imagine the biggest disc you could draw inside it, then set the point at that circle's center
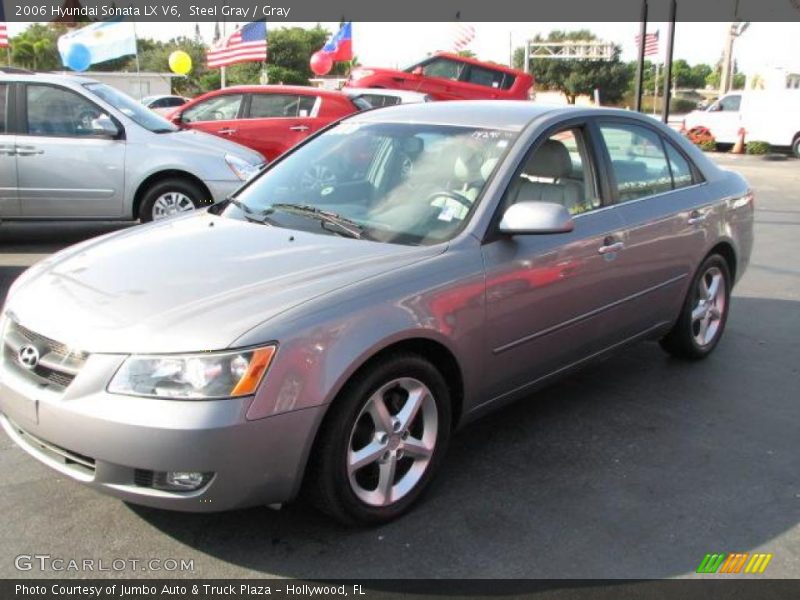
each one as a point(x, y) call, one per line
point(726, 250)
point(154, 178)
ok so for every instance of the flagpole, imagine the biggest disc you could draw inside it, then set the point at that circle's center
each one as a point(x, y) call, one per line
point(138, 72)
point(222, 69)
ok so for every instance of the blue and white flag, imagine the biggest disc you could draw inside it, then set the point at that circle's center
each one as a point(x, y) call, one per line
point(105, 40)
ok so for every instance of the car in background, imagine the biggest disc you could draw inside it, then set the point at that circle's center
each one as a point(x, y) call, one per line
point(446, 76)
point(164, 104)
point(333, 337)
point(772, 116)
point(267, 118)
point(378, 98)
point(74, 148)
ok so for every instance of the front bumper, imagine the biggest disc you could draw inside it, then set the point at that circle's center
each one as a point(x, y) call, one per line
point(107, 441)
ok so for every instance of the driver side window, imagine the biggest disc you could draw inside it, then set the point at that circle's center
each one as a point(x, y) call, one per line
point(55, 111)
point(218, 108)
point(444, 68)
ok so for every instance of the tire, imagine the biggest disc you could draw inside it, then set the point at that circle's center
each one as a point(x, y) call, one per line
point(351, 431)
point(168, 197)
point(796, 146)
point(695, 337)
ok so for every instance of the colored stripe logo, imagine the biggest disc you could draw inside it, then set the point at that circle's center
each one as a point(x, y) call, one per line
point(736, 562)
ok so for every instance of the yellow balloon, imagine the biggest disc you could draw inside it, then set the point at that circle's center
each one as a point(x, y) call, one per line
point(180, 62)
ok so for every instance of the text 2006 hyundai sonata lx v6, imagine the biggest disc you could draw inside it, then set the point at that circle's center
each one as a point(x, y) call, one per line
point(393, 277)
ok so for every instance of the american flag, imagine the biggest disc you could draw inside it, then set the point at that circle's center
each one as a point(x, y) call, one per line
point(650, 43)
point(247, 44)
point(3, 29)
point(463, 34)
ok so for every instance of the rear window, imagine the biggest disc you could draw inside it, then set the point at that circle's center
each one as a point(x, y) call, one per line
point(266, 106)
point(485, 77)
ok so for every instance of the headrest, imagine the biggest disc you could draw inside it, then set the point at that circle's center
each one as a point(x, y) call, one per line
point(413, 146)
point(550, 160)
point(467, 167)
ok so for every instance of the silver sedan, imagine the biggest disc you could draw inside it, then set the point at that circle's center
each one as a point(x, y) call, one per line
point(329, 327)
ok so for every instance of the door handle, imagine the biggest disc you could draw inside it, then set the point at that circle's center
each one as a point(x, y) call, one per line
point(28, 151)
point(610, 246)
point(299, 128)
point(227, 131)
point(9, 150)
point(696, 217)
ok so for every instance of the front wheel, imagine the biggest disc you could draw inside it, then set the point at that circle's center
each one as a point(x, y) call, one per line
point(704, 314)
point(382, 441)
point(170, 197)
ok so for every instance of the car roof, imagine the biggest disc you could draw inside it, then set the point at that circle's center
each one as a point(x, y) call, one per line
point(510, 115)
point(279, 89)
point(354, 91)
point(61, 78)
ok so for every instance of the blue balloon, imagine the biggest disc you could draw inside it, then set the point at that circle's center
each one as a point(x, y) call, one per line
point(78, 57)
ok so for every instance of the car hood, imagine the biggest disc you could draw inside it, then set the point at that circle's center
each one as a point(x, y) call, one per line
point(205, 143)
point(191, 283)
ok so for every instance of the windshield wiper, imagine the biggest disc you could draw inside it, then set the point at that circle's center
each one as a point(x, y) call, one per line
point(261, 218)
point(344, 225)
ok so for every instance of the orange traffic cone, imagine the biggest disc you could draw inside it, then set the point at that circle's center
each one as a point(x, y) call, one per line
point(738, 147)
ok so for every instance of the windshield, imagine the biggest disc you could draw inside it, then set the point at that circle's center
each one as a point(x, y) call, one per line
point(398, 183)
point(132, 109)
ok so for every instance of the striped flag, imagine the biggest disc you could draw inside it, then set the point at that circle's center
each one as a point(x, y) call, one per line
point(463, 34)
point(3, 29)
point(248, 44)
point(650, 43)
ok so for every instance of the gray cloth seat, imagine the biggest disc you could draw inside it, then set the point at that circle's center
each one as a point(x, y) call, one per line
point(551, 161)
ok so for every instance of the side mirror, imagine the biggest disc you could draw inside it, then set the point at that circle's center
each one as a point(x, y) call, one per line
point(536, 218)
point(104, 126)
point(418, 71)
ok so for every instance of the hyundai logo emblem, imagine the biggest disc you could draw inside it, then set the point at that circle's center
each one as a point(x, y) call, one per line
point(28, 357)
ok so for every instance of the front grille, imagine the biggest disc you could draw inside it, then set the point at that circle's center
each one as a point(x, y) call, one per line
point(143, 478)
point(58, 364)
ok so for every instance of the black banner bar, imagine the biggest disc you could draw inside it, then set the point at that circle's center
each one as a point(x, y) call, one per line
point(409, 10)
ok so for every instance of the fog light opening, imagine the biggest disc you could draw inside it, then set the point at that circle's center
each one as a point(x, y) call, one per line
point(180, 481)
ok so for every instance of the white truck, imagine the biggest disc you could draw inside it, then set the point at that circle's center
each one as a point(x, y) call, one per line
point(766, 115)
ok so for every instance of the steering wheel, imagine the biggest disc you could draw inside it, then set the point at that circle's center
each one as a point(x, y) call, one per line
point(85, 118)
point(218, 115)
point(460, 198)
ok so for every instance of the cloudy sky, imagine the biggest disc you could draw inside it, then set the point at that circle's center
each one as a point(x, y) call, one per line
point(398, 44)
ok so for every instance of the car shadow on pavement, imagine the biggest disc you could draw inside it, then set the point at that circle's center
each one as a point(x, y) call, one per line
point(635, 467)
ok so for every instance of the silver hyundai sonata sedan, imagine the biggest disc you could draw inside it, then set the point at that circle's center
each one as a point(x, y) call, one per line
point(329, 326)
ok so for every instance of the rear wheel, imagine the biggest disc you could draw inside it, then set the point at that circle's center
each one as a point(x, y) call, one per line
point(704, 314)
point(170, 197)
point(382, 442)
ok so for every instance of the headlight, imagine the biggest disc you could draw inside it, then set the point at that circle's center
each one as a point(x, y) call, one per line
point(199, 376)
point(241, 168)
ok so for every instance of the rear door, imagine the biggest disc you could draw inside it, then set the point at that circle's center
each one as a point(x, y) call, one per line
point(660, 198)
point(218, 115)
point(273, 123)
point(482, 82)
point(64, 168)
point(9, 202)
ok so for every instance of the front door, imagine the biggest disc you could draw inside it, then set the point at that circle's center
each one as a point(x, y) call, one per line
point(64, 168)
point(546, 294)
point(9, 203)
point(273, 123)
point(218, 115)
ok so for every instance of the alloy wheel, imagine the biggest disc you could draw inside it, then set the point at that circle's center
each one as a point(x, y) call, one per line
point(392, 441)
point(709, 307)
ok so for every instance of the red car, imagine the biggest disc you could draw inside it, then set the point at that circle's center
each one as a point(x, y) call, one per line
point(267, 118)
point(447, 76)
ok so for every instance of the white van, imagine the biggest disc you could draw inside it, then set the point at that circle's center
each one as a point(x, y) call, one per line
point(766, 115)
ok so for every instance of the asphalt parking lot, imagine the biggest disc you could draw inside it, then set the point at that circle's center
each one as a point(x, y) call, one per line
point(634, 468)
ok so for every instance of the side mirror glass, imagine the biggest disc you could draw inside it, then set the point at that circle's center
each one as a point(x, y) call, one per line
point(104, 126)
point(536, 218)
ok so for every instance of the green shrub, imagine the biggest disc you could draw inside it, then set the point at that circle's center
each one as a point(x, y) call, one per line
point(682, 105)
point(707, 145)
point(758, 147)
